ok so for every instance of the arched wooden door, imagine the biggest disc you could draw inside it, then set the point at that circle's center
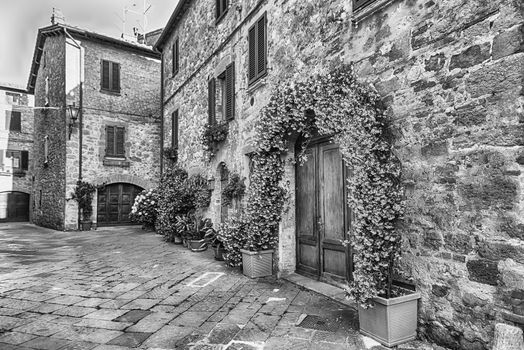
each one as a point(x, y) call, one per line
point(14, 206)
point(322, 215)
point(115, 202)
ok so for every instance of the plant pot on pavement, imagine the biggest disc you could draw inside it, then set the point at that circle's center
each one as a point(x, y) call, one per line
point(219, 252)
point(391, 321)
point(197, 245)
point(257, 264)
point(85, 225)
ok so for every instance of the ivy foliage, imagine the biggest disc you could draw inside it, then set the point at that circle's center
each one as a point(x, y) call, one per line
point(353, 115)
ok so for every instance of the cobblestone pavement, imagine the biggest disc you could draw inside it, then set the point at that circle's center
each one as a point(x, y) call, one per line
point(122, 288)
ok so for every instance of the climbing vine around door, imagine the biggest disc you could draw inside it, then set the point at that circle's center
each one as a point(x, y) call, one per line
point(353, 113)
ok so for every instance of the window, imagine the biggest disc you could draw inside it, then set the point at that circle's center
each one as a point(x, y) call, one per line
point(176, 57)
point(257, 39)
point(13, 121)
point(46, 97)
point(174, 130)
point(110, 76)
point(221, 6)
point(13, 98)
point(115, 141)
point(17, 160)
point(357, 4)
point(221, 96)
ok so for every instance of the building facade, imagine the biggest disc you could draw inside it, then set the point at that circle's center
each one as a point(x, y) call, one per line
point(112, 142)
point(16, 152)
point(451, 75)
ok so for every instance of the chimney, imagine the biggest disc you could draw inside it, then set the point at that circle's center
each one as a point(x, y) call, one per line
point(57, 17)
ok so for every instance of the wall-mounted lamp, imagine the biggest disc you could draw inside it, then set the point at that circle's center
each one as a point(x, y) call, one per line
point(72, 111)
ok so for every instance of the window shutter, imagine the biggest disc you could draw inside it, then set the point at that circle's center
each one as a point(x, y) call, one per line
point(1, 159)
point(261, 46)
point(110, 140)
point(176, 57)
point(116, 77)
point(120, 138)
point(230, 91)
point(25, 160)
point(218, 7)
point(211, 95)
point(252, 54)
point(7, 119)
point(360, 3)
point(174, 129)
point(105, 75)
point(16, 121)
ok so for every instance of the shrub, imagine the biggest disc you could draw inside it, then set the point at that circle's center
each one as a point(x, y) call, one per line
point(232, 234)
point(145, 208)
point(83, 195)
point(234, 189)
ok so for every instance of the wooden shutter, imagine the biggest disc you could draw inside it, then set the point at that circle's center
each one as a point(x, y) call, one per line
point(176, 57)
point(211, 96)
point(1, 159)
point(115, 83)
point(218, 6)
point(16, 121)
point(360, 3)
point(174, 129)
point(230, 91)
point(120, 141)
point(105, 75)
point(7, 119)
point(252, 37)
point(110, 140)
point(261, 46)
point(25, 160)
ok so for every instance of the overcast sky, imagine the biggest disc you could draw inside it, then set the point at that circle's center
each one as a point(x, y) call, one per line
point(20, 20)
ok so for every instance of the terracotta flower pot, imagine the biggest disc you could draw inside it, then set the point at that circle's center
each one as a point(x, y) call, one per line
point(391, 321)
point(85, 225)
point(257, 264)
point(197, 245)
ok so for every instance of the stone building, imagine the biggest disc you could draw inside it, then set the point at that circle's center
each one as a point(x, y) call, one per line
point(450, 73)
point(113, 85)
point(16, 152)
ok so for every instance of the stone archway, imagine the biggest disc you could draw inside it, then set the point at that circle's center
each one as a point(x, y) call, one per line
point(125, 178)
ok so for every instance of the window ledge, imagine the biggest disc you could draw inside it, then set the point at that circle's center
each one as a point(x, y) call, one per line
point(370, 9)
point(260, 82)
point(119, 162)
point(110, 92)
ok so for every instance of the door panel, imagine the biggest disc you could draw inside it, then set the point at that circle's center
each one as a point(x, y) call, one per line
point(306, 209)
point(322, 215)
point(14, 206)
point(115, 202)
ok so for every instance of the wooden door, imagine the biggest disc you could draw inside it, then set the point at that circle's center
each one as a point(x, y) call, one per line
point(322, 215)
point(115, 202)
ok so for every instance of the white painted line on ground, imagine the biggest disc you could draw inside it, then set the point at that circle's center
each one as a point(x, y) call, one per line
point(206, 275)
point(369, 343)
point(275, 299)
point(257, 345)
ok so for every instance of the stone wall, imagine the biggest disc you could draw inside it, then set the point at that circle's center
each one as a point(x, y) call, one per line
point(451, 75)
point(49, 190)
point(136, 107)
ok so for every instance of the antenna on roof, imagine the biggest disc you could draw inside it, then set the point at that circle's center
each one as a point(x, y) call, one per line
point(139, 32)
point(57, 17)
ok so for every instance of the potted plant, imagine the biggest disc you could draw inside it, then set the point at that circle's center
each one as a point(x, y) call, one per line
point(212, 240)
point(183, 227)
point(145, 209)
point(83, 195)
point(212, 135)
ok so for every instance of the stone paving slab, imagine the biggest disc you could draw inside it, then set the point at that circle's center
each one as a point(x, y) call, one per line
point(124, 288)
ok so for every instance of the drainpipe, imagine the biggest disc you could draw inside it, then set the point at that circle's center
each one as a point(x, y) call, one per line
point(80, 113)
point(161, 115)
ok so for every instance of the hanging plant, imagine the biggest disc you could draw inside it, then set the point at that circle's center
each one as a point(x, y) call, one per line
point(212, 135)
point(354, 114)
point(234, 189)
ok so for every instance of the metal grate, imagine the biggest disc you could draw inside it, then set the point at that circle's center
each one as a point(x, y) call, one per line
point(318, 323)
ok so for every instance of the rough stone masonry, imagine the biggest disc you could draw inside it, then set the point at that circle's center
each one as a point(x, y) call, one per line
point(451, 75)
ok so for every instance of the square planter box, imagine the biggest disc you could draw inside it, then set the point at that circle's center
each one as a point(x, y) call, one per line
point(391, 321)
point(257, 264)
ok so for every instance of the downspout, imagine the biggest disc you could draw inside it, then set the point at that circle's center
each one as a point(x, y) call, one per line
point(161, 115)
point(80, 113)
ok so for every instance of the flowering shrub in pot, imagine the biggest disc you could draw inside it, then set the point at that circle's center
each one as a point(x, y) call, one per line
point(145, 208)
point(83, 195)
